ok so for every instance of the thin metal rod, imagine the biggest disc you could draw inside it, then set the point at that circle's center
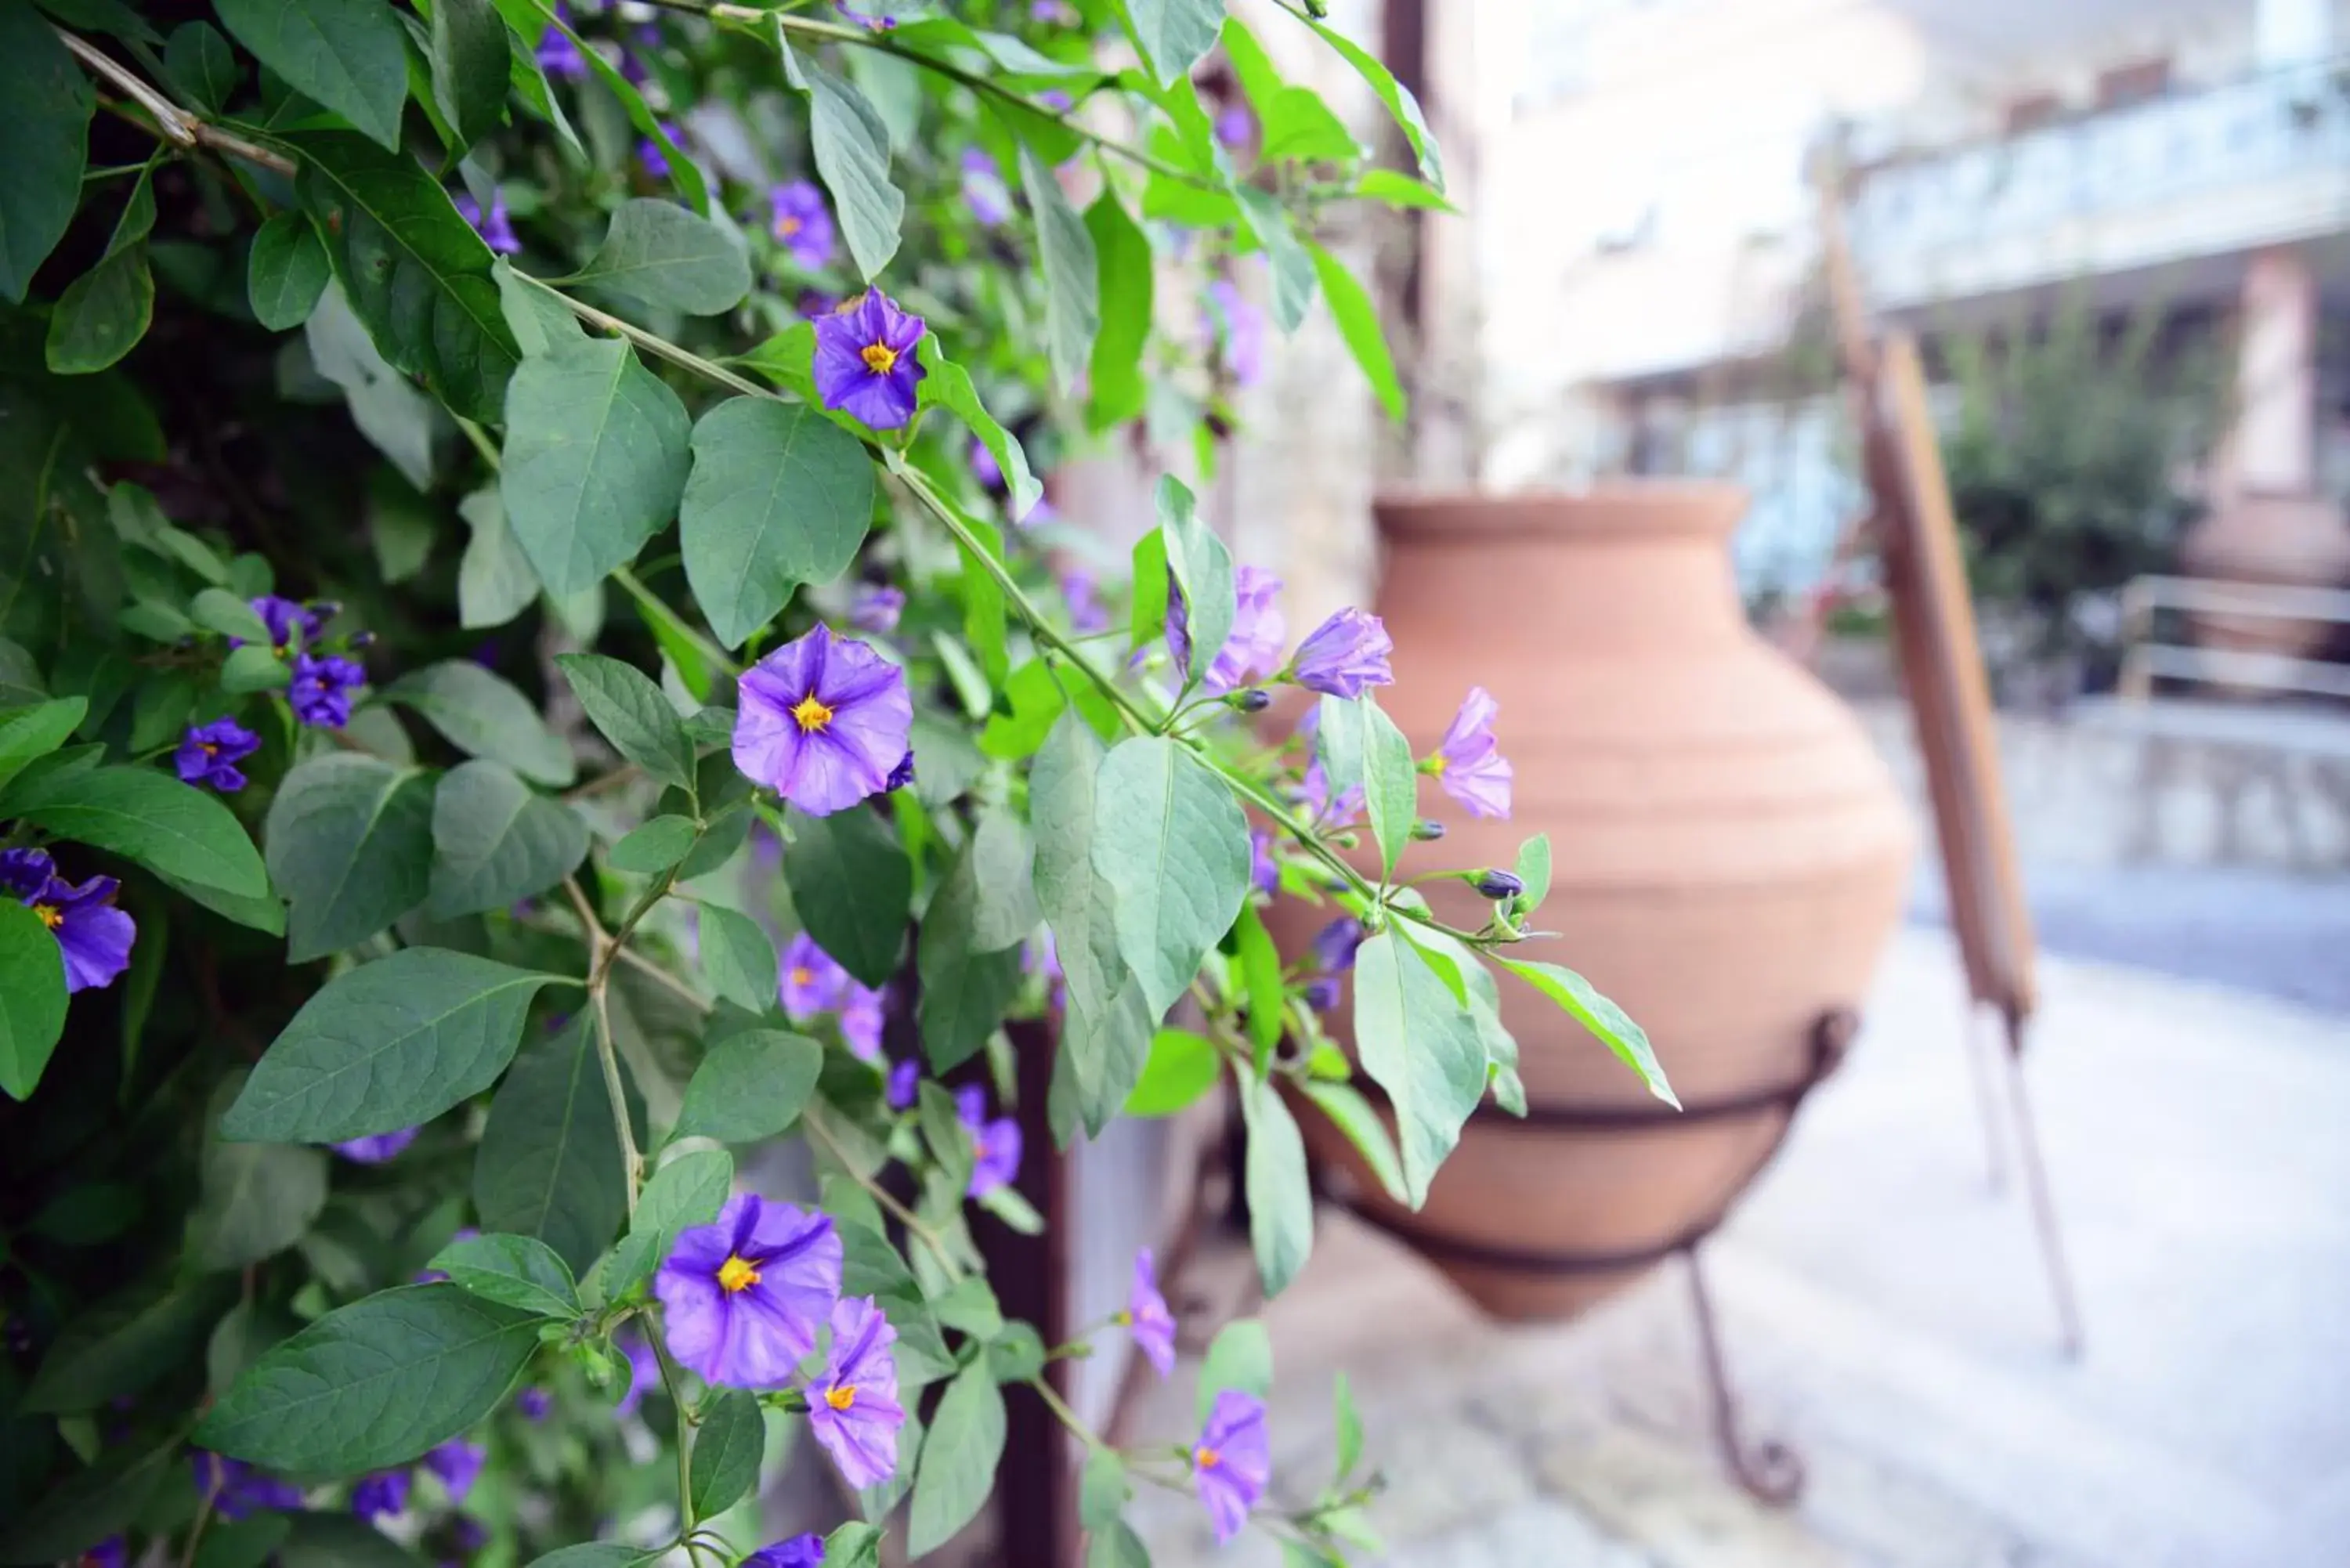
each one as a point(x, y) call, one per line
point(2043, 1200)
point(1771, 1471)
point(1986, 1096)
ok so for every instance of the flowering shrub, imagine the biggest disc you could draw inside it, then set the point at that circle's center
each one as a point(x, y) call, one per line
point(390, 967)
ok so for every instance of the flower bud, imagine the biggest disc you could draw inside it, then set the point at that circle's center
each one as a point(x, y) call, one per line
point(362, 640)
point(325, 609)
point(1498, 885)
point(1427, 831)
point(1251, 700)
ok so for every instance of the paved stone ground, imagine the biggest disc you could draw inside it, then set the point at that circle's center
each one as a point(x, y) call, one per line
point(1885, 1314)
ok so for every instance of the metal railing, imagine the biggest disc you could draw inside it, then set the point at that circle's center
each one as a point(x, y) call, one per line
point(2144, 659)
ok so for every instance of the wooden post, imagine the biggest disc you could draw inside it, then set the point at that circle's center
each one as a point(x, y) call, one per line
point(1036, 1491)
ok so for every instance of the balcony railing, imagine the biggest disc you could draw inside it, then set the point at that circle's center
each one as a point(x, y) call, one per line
point(2264, 159)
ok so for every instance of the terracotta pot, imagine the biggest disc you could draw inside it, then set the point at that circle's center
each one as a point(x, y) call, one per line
point(1729, 853)
point(2291, 541)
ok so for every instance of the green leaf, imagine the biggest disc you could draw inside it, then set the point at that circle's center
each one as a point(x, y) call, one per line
point(159, 822)
point(482, 714)
point(1115, 1545)
point(871, 1266)
point(779, 495)
point(202, 64)
point(727, 1448)
point(495, 579)
point(386, 1046)
point(1614, 1027)
point(1391, 783)
point(496, 842)
point(472, 69)
point(1118, 389)
point(596, 460)
point(1395, 94)
point(948, 385)
point(389, 412)
point(983, 621)
point(959, 1460)
point(1103, 1491)
point(1401, 191)
point(1420, 1044)
point(1359, 323)
point(537, 317)
point(671, 258)
point(623, 702)
point(652, 848)
point(124, 1343)
point(1349, 1425)
point(519, 1272)
point(102, 313)
point(595, 1554)
point(1240, 1356)
point(217, 610)
point(1293, 269)
point(1106, 1023)
point(737, 958)
point(687, 1192)
point(414, 270)
point(1183, 1067)
point(855, 1544)
point(1299, 127)
point(1260, 984)
point(88, 1506)
point(852, 157)
point(374, 1384)
point(1280, 1195)
point(549, 1163)
point(256, 1198)
point(1172, 35)
point(37, 731)
point(350, 847)
point(1171, 843)
point(346, 54)
point(287, 272)
point(1072, 289)
point(968, 954)
point(1203, 567)
point(44, 143)
point(249, 1542)
point(1534, 870)
point(850, 885)
point(1354, 1116)
point(531, 18)
point(750, 1086)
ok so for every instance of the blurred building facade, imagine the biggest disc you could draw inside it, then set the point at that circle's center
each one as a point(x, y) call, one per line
point(1647, 233)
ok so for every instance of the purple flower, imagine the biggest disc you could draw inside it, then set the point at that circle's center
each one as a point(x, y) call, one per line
point(876, 608)
point(984, 191)
point(904, 1086)
point(809, 981)
point(1334, 945)
point(1056, 100)
point(799, 1551)
point(903, 773)
point(653, 155)
point(110, 1553)
point(1469, 765)
point(823, 721)
point(802, 224)
point(865, 360)
point(377, 1148)
point(534, 1403)
point(493, 226)
point(322, 688)
point(1321, 992)
point(1146, 1315)
point(741, 1299)
point(381, 1495)
point(25, 872)
point(1232, 1463)
point(464, 1233)
point(1087, 613)
point(94, 935)
point(458, 1464)
point(855, 1415)
point(871, 21)
point(983, 466)
point(1258, 634)
point(861, 1022)
point(1235, 126)
point(1238, 329)
point(1054, 12)
point(238, 1490)
point(209, 753)
point(1344, 656)
point(1264, 872)
point(995, 1143)
point(644, 1372)
point(1314, 794)
point(557, 55)
point(812, 303)
point(290, 624)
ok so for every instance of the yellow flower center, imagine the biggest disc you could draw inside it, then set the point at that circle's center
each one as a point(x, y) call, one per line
point(51, 916)
point(1436, 765)
point(879, 357)
point(840, 1395)
point(803, 975)
point(810, 714)
point(1206, 1458)
point(787, 226)
point(737, 1275)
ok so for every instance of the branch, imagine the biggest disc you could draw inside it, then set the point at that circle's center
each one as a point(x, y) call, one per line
point(172, 123)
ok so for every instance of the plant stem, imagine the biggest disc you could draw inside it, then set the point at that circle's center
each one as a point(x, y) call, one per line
point(915, 1224)
point(635, 588)
point(172, 123)
point(601, 948)
point(652, 343)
